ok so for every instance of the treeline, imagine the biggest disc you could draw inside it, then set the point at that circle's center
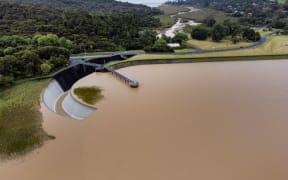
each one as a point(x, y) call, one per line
point(217, 32)
point(88, 31)
point(99, 6)
point(250, 12)
point(24, 57)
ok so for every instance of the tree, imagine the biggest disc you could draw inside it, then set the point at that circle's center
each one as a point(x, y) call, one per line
point(57, 62)
point(45, 68)
point(251, 35)
point(161, 46)
point(48, 40)
point(180, 38)
point(10, 51)
point(13, 41)
point(209, 21)
point(66, 43)
point(147, 38)
point(235, 39)
point(199, 33)
point(217, 32)
point(232, 28)
point(32, 62)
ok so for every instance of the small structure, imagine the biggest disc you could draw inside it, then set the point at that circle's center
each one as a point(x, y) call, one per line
point(174, 45)
point(134, 84)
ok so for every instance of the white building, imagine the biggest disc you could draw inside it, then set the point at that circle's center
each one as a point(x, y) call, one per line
point(174, 45)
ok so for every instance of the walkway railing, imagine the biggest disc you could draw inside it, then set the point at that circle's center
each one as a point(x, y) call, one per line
point(131, 83)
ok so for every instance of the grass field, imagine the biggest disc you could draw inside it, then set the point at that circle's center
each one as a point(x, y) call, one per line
point(185, 50)
point(263, 31)
point(89, 95)
point(166, 19)
point(202, 14)
point(209, 44)
point(170, 10)
point(20, 118)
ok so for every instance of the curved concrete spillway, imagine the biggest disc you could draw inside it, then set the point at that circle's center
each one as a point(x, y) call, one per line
point(51, 94)
point(61, 83)
point(70, 105)
point(76, 109)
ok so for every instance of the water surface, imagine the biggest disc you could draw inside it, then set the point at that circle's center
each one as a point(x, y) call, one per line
point(204, 121)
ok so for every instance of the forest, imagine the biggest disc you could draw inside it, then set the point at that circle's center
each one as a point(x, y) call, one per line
point(30, 57)
point(97, 6)
point(88, 31)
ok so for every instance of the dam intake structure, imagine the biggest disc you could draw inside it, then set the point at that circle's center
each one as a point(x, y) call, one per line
point(77, 69)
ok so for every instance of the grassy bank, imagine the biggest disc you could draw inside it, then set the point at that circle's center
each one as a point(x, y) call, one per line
point(211, 45)
point(20, 119)
point(122, 64)
point(275, 45)
point(89, 95)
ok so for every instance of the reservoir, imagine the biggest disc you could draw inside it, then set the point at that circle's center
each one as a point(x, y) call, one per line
point(204, 121)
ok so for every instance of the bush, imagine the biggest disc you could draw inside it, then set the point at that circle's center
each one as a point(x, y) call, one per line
point(161, 46)
point(45, 68)
point(180, 38)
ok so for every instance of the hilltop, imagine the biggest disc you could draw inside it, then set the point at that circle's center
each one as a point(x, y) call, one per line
point(99, 6)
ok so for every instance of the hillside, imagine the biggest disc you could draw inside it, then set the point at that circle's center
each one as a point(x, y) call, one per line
point(88, 31)
point(250, 12)
point(100, 6)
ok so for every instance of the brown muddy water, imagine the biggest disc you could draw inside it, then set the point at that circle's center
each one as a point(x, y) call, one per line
point(202, 121)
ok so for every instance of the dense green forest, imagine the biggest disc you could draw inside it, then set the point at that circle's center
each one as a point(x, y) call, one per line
point(30, 57)
point(250, 12)
point(99, 6)
point(88, 31)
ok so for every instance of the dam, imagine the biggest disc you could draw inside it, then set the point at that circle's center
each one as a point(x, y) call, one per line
point(78, 68)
